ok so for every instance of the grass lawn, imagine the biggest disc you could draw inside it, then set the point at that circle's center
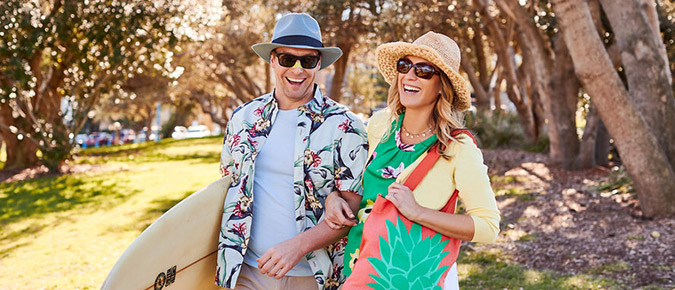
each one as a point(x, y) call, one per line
point(66, 232)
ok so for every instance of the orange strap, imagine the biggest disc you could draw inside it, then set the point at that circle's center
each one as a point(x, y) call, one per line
point(425, 165)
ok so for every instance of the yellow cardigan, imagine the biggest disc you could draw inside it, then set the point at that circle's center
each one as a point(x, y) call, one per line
point(467, 174)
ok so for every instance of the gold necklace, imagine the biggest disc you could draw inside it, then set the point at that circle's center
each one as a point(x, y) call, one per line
point(411, 135)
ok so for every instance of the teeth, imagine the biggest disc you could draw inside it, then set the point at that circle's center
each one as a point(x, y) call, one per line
point(295, 80)
point(409, 88)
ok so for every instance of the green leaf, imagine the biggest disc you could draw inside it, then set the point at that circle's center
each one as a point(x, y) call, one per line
point(419, 252)
point(435, 239)
point(436, 275)
point(403, 232)
point(385, 250)
point(379, 266)
point(417, 284)
point(395, 271)
point(391, 232)
point(416, 232)
point(401, 257)
point(376, 286)
point(386, 283)
point(400, 282)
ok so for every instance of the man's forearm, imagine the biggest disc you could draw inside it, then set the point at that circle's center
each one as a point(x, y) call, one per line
point(322, 235)
point(319, 236)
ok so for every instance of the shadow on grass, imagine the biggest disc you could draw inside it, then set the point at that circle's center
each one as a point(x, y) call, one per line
point(487, 270)
point(194, 158)
point(29, 199)
point(159, 207)
point(129, 149)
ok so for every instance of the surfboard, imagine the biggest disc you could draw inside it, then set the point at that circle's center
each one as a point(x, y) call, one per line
point(178, 250)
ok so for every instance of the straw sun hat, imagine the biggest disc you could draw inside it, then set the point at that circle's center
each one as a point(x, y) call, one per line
point(437, 49)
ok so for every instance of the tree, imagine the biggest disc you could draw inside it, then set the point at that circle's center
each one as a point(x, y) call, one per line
point(644, 155)
point(344, 24)
point(59, 57)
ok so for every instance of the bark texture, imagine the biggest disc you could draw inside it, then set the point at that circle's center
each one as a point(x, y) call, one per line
point(644, 159)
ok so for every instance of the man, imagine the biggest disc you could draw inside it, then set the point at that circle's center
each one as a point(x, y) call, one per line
point(286, 151)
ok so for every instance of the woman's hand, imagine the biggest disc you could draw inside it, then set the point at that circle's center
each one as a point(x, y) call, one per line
point(402, 197)
point(338, 212)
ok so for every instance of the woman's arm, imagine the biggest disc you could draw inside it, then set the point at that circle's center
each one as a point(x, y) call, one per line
point(481, 222)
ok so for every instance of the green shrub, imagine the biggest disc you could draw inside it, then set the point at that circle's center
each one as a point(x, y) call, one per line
point(497, 129)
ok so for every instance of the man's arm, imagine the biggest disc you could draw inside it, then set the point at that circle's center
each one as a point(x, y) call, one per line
point(281, 258)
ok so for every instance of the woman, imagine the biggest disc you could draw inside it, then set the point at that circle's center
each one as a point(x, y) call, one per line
point(425, 105)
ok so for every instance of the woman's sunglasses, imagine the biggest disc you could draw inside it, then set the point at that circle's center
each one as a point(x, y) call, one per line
point(288, 60)
point(422, 70)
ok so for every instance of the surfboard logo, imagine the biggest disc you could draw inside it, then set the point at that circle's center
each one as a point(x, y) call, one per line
point(165, 279)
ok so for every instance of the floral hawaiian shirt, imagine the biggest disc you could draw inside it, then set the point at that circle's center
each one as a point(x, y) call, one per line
point(330, 153)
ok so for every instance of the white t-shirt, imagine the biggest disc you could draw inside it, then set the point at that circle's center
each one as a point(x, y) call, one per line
point(451, 280)
point(273, 199)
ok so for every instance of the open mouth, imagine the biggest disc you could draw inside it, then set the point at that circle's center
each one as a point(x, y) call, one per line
point(295, 81)
point(411, 89)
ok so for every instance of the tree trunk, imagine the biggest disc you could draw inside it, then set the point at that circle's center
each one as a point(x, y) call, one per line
point(586, 158)
point(644, 159)
point(497, 90)
point(482, 98)
point(20, 153)
point(516, 93)
point(340, 70)
point(647, 72)
point(564, 91)
point(268, 78)
point(602, 145)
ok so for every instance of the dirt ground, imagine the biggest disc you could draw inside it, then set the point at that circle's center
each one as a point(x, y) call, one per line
point(559, 220)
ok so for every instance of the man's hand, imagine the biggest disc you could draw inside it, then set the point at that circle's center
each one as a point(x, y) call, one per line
point(280, 258)
point(338, 212)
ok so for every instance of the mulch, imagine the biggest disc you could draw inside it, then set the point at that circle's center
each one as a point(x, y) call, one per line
point(568, 226)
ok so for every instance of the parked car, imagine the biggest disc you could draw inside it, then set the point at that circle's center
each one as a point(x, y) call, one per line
point(198, 131)
point(80, 139)
point(127, 136)
point(98, 139)
point(179, 132)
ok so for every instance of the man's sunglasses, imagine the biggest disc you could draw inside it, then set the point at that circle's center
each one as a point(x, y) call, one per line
point(422, 70)
point(288, 60)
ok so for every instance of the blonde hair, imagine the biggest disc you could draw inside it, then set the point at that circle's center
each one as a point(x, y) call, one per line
point(445, 116)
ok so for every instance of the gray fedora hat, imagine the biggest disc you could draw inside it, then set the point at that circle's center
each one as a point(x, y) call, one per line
point(298, 30)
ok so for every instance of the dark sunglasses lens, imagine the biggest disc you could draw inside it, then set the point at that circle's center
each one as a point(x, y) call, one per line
point(287, 60)
point(403, 66)
point(424, 71)
point(309, 61)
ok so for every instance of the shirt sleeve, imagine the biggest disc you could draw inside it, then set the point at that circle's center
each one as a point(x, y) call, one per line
point(350, 156)
point(473, 183)
point(231, 139)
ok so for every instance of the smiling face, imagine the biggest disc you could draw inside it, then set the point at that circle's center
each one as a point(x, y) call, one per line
point(416, 93)
point(294, 85)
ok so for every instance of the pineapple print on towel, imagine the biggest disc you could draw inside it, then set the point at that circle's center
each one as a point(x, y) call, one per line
point(419, 271)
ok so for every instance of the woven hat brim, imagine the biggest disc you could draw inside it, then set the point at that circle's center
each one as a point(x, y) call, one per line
point(329, 55)
point(389, 53)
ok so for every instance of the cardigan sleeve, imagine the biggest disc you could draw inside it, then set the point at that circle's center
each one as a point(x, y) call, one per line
point(472, 181)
